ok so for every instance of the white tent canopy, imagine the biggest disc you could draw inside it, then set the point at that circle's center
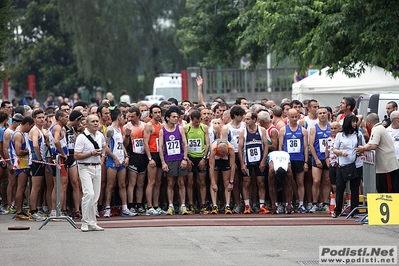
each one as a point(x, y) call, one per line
point(329, 91)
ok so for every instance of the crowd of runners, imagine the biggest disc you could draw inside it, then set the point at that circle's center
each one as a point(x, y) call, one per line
point(181, 157)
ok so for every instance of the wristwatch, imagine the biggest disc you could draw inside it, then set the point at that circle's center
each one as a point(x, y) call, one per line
point(186, 159)
point(231, 182)
point(149, 159)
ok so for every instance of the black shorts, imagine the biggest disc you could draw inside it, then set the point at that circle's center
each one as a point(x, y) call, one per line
point(70, 162)
point(323, 162)
point(222, 165)
point(138, 163)
point(297, 166)
point(238, 163)
point(333, 175)
point(37, 169)
point(156, 158)
point(63, 171)
point(254, 169)
point(195, 167)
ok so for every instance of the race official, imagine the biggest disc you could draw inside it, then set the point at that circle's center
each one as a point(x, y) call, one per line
point(89, 167)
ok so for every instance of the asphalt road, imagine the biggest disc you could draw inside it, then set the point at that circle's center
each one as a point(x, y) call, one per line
point(58, 243)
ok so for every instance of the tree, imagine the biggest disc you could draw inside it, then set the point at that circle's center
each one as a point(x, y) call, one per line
point(116, 41)
point(5, 17)
point(342, 34)
point(205, 29)
point(43, 50)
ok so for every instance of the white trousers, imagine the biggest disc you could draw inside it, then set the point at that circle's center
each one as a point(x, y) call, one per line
point(90, 176)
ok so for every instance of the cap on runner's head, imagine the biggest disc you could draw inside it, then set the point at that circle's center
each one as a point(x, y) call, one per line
point(75, 115)
point(17, 117)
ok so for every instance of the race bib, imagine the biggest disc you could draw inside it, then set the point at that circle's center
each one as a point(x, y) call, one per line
point(138, 146)
point(119, 149)
point(293, 145)
point(71, 142)
point(322, 145)
point(194, 145)
point(253, 154)
point(157, 142)
point(173, 147)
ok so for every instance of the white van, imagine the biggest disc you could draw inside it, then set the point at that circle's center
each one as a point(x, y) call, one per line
point(169, 85)
point(154, 98)
point(375, 103)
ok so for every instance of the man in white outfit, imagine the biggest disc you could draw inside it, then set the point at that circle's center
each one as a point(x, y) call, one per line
point(88, 153)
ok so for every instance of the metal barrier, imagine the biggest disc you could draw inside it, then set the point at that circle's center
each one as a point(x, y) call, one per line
point(369, 180)
point(58, 200)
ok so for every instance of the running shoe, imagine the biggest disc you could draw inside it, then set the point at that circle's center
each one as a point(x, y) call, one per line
point(302, 209)
point(183, 210)
point(204, 210)
point(289, 210)
point(313, 209)
point(170, 211)
point(255, 208)
point(191, 209)
point(215, 210)
point(12, 209)
point(42, 213)
point(95, 228)
point(97, 215)
point(263, 209)
point(247, 209)
point(21, 216)
point(84, 227)
point(160, 211)
point(133, 210)
point(325, 208)
point(309, 206)
point(227, 210)
point(36, 217)
point(53, 213)
point(107, 213)
point(141, 210)
point(268, 206)
point(280, 209)
point(3, 210)
point(152, 211)
point(128, 213)
point(77, 215)
point(237, 209)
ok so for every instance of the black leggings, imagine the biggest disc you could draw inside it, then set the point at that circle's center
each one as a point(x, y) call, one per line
point(354, 186)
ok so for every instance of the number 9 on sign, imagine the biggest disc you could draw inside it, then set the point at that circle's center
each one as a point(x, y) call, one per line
point(383, 209)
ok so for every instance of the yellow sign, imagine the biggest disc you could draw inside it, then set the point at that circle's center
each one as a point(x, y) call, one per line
point(383, 209)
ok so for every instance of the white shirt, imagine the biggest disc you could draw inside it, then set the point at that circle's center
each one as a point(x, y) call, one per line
point(395, 138)
point(348, 144)
point(280, 159)
point(83, 144)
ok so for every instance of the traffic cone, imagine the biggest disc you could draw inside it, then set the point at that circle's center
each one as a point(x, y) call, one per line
point(332, 203)
point(348, 202)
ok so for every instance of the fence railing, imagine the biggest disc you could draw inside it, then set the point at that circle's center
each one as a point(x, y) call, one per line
point(273, 83)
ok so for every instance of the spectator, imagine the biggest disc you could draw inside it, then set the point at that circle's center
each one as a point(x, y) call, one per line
point(125, 97)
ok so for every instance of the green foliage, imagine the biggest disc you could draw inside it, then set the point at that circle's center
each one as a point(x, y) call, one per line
point(43, 50)
point(5, 16)
point(343, 34)
point(116, 41)
point(205, 30)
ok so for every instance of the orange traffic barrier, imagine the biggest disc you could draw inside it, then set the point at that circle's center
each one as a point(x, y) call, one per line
point(332, 203)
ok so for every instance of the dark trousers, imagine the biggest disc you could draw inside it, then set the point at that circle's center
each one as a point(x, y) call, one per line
point(382, 182)
point(354, 186)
